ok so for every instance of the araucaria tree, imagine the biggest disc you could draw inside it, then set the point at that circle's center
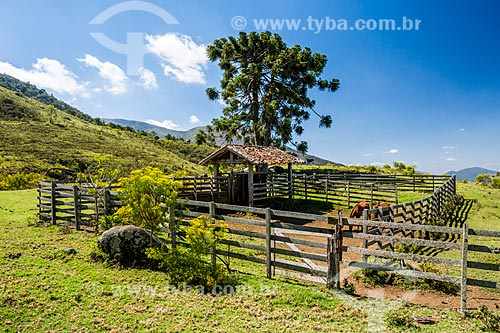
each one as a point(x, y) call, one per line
point(265, 89)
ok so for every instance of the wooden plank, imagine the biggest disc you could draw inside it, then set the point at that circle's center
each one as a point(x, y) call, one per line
point(300, 276)
point(303, 216)
point(233, 219)
point(404, 272)
point(299, 267)
point(299, 242)
point(485, 233)
point(300, 254)
point(241, 256)
point(247, 233)
point(403, 226)
point(463, 278)
point(307, 230)
point(403, 256)
point(242, 245)
point(192, 214)
point(402, 240)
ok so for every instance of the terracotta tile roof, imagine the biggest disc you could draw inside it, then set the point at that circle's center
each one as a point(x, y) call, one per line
point(252, 154)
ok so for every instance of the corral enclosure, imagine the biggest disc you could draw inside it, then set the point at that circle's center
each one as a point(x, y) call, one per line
point(318, 247)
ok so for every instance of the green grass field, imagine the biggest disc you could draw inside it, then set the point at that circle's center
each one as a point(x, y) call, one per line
point(42, 289)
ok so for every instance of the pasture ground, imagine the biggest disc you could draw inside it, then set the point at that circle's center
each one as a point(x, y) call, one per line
point(43, 289)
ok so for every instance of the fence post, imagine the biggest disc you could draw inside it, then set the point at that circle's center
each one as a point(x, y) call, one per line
point(371, 195)
point(397, 195)
point(211, 212)
point(348, 194)
point(365, 231)
point(334, 248)
point(76, 207)
point(171, 225)
point(195, 190)
point(305, 186)
point(269, 249)
point(107, 202)
point(463, 282)
point(326, 188)
point(53, 215)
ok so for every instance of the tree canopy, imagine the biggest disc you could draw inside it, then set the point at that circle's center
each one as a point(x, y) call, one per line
point(265, 87)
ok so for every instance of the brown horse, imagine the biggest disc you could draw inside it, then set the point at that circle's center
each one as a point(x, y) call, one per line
point(357, 210)
point(373, 216)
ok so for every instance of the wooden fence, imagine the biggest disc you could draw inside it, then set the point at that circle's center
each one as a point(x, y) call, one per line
point(75, 204)
point(402, 233)
point(342, 192)
point(310, 246)
point(275, 238)
point(416, 182)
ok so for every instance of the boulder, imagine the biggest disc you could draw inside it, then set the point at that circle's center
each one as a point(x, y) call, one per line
point(127, 244)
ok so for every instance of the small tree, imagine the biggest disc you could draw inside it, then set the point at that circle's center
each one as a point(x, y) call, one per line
point(147, 194)
point(484, 178)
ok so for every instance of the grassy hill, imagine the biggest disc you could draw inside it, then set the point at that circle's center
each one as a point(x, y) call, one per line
point(31, 142)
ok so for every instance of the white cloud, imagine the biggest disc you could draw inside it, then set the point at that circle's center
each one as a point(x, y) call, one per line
point(449, 158)
point(117, 81)
point(449, 147)
point(391, 151)
point(166, 123)
point(180, 57)
point(147, 79)
point(368, 154)
point(377, 163)
point(461, 129)
point(49, 74)
point(194, 120)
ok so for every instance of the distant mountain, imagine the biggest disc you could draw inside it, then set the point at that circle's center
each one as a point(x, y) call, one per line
point(190, 134)
point(470, 174)
point(160, 131)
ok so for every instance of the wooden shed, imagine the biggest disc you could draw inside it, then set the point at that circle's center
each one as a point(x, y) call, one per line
point(251, 184)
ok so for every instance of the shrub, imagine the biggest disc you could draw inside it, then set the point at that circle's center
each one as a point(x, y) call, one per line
point(109, 221)
point(19, 181)
point(495, 182)
point(190, 265)
point(147, 195)
point(484, 178)
point(399, 320)
point(184, 266)
point(489, 319)
point(372, 277)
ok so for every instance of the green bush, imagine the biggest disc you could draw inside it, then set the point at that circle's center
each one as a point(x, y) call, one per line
point(372, 277)
point(19, 181)
point(489, 319)
point(484, 178)
point(184, 266)
point(399, 320)
point(495, 182)
point(109, 221)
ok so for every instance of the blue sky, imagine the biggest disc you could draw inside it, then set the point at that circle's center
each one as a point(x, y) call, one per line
point(429, 97)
